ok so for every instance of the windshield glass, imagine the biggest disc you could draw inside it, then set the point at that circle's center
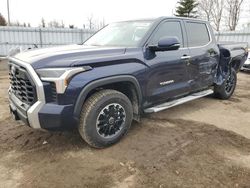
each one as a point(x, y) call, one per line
point(127, 34)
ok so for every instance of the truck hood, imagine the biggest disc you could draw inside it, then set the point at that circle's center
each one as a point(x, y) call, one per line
point(70, 55)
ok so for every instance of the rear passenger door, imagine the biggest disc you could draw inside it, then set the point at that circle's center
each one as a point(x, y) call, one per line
point(204, 54)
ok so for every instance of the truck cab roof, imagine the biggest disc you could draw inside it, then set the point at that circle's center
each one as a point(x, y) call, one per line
point(161, 18)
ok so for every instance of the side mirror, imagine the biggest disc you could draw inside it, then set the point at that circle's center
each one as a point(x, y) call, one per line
point(166, 44)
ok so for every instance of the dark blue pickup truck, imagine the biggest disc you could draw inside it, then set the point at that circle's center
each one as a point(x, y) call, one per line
point(125, 70)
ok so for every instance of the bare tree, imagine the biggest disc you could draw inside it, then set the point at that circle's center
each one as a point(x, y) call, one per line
point(212, 10)
point(205, 8)
point(90, 21)
point(233, 13)
point(16, 23)
point(62, 24)
point(216, 13)
point(102, 24)
point(43, 24)
point(56, 24)
point(2, 20)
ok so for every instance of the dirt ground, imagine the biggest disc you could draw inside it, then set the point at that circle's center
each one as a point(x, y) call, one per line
point(203, 143)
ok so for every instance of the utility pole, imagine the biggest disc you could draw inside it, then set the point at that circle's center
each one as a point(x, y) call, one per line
point(8, 8)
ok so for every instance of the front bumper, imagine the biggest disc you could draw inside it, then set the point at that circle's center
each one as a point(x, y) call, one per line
point(55, 117)
point(40, 114)
point(17, 109)
point(32, 111)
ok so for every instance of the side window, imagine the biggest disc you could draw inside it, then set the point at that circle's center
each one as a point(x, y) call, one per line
point(168, 29)
point(197, 34)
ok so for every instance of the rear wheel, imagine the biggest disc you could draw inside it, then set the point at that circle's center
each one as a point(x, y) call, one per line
point(106, 116)
point(226, 90)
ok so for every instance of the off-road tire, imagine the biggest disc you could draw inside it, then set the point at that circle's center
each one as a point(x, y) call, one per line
point(90, 113)
point(222, 91)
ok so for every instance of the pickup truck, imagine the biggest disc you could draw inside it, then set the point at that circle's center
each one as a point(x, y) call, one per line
point(125, 70)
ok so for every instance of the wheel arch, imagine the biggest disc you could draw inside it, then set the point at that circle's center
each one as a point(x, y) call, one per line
point(126, 84)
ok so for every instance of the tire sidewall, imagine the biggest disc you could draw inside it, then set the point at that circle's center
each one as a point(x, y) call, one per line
point(91, 119)
point(220, 90)
point(229, 94)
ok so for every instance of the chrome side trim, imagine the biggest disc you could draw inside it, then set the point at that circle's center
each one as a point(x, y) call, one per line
point(32, 112)
point(176, 102)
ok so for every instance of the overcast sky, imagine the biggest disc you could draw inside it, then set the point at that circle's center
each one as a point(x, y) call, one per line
point(76, 11)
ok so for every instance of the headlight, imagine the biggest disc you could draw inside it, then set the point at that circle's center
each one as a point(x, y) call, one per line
point(60, 76)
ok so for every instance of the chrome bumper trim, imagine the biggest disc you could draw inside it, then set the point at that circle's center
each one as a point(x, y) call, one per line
point(32, 112)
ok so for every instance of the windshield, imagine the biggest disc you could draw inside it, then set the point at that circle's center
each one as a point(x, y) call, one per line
point(127, 34)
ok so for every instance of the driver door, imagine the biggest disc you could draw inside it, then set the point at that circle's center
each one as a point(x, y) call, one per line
point(167, 74)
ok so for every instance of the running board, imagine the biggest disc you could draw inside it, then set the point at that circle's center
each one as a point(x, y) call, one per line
point(179, 101)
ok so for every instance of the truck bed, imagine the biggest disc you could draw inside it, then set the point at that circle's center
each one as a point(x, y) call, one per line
point(238, 52)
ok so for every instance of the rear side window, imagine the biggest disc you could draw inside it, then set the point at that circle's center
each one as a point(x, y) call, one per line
point(197, 34)
point(168, 29)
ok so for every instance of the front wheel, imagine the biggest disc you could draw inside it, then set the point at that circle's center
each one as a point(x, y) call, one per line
point(226, 90)
point(106, 116)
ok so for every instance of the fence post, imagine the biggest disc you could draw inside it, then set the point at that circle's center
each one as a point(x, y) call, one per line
point(40, 36)
point(81, 35)
point(218, 35)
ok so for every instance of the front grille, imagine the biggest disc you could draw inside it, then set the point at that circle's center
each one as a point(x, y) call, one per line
point(53, 92)
point(50, 92)
point(21, 84)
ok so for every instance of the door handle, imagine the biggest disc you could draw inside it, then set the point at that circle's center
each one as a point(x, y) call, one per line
point(186, 57)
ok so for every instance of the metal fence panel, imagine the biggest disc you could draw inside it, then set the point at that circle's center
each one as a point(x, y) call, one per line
point(42, 37)
point(234, 36)
point(45, 37)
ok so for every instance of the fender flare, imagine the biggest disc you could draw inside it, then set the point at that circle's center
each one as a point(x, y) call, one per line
point(104, 81)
